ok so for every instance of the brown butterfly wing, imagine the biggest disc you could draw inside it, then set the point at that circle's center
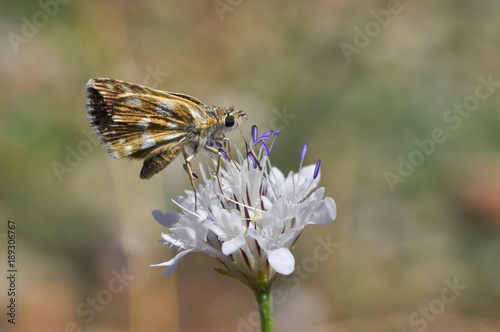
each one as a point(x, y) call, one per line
point(132, 121)
point(158, 159)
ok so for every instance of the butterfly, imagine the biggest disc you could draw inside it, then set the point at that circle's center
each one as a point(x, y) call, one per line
point(134, 121)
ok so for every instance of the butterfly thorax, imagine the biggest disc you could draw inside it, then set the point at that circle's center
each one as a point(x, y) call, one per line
point(209, 130)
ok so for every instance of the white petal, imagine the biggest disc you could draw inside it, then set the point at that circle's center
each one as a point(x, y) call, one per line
point(166, 219)
point(232, 245)
point(171, 269)
point(267, 203)
point(172, 264)
point(277, 181)
point(181, 236)
point(325, 213)
point(253, 233)
point(305, 175)
point(281, 260)
point(298, 185)
point(318, 194)
point(276, 176)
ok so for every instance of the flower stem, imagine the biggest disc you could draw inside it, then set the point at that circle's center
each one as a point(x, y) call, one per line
point(263, 296)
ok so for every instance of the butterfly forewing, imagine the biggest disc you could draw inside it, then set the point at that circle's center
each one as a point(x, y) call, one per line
point(140, 122)
point(132, 121)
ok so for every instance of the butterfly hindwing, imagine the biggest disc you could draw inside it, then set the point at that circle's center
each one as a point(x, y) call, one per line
point(158, 159)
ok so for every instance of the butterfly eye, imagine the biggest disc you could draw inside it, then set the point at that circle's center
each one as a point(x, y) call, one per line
point(229, 120)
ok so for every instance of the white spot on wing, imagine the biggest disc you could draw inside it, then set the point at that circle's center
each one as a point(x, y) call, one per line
point(135, 102)
point(121, 141)
point(144, 123)
point(172, 125)
point(165, 107)
point(128, 148)
point(148, 143)
point(145, 135)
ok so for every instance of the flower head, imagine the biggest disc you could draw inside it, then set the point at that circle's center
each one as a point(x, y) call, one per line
point(251, 226)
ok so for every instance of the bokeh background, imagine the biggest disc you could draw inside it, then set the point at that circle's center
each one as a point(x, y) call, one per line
point(367, 84)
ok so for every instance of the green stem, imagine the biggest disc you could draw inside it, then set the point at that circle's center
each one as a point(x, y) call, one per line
point(263, 296)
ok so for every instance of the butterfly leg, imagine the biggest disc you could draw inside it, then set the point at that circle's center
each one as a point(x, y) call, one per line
point(219, 162)
point(189, 170)
point(227, 146)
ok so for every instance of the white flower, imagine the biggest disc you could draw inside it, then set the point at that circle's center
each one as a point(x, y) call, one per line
point(251, 226)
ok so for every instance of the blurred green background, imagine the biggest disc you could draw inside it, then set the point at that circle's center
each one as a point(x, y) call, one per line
point(390, 95)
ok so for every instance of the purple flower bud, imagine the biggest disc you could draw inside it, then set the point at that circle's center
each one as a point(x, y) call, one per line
point(303, 153)
point(266, 149)
point(266, 135)
point(276, 133)
point(223, 153)
point(316, 170)
point(254, 134)
point(250, 155)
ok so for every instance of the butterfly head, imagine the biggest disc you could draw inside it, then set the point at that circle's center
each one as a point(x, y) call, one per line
point(229, 118)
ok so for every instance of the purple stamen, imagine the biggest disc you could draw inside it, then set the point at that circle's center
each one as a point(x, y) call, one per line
point(303, 153)
point(218, 144)
point(222, 152)
point(254, 134)
point(316, 170)
point(266, 135)
point(250, 154)
point(208, 218)
point(266, 149)
point(211, 144)
point(194, 175)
